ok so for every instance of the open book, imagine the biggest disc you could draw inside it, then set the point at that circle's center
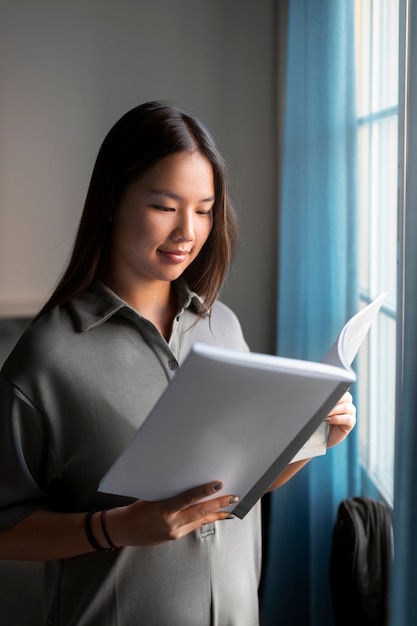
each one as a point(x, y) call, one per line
point(235, 417)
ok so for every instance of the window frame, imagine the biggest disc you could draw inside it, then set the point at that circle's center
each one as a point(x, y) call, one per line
point(372, 485)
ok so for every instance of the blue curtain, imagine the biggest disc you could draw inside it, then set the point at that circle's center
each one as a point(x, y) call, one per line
point(317, 291)
point(404, 598)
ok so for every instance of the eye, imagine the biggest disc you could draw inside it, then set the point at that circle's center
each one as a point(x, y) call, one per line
point(205, 212)
point(159, 207)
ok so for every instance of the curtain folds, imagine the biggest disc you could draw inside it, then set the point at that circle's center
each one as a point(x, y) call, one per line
point(317, 291)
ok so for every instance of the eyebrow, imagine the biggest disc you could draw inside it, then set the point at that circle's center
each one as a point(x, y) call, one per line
point(174, 196)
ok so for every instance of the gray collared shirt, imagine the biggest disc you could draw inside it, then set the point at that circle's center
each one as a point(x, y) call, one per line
point(73, 392)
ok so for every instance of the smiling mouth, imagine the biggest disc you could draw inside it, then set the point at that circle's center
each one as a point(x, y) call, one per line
point(175, 256)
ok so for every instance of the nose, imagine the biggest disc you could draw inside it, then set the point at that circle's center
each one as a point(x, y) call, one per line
point(184, 227)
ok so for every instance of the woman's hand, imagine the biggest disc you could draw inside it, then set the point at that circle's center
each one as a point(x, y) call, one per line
point(342, 419)
point(146, 523)
point(49, 536)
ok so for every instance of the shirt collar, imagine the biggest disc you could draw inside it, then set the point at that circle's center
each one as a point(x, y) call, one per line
point(99, 303)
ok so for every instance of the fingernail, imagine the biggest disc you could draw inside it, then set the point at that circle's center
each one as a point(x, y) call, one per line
point(230, 516)
point(233, 499)
point(217, 486)
point(327, 419)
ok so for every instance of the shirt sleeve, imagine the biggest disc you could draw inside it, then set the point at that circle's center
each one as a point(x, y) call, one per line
point(24, 446)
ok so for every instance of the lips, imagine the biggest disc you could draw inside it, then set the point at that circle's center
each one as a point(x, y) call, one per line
point(175, 256)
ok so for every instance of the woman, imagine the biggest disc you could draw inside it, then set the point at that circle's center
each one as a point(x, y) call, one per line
point(153, 249)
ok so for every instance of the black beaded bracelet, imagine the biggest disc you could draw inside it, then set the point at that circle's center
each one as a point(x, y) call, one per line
point(89, 534)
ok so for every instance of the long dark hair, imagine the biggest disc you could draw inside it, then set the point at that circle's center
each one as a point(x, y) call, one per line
point(143, 136)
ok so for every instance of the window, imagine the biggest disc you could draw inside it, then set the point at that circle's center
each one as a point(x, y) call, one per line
point(377, 25)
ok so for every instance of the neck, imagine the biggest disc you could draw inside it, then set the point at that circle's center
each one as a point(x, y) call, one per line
point(156, 302)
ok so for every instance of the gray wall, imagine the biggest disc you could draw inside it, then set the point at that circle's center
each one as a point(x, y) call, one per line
point(69, 70)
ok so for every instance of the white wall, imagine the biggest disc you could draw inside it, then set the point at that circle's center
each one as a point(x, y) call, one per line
point(70, 69)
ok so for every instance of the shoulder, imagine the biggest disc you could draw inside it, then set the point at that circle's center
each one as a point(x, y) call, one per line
point(222, 313)
point(225, 324)
point(42, 342)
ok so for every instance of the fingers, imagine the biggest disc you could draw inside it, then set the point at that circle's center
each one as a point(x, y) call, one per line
point(198, 495)
point(346, 400)
point(197, 507)
point(207, 512)
point(144, 523)
point(194, 495)
point(342, 419)
point(347, 397)
point(345, 420)
point(344, 408)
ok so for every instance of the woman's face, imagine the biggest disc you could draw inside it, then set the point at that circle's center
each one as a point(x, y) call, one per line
point(162, 220)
